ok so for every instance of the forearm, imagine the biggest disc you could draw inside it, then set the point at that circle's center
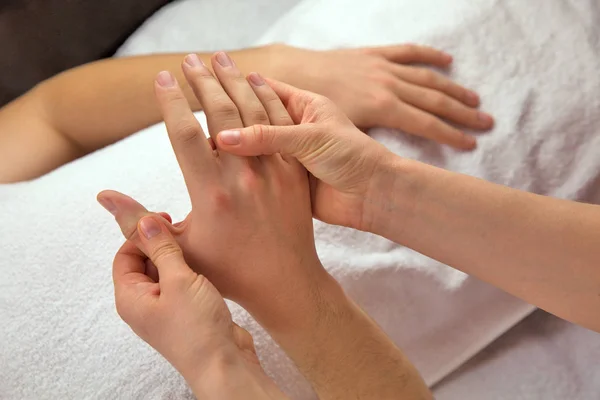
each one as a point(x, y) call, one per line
point(89, 107)
point(230, 375)
point(340, 350)
point(540, 249)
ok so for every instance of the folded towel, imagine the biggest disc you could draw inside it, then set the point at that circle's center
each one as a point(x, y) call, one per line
point(61, 336)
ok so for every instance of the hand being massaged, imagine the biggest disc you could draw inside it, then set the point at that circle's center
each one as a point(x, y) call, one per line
point(249, 234)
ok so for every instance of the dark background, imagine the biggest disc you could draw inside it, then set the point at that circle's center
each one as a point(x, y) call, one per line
point(40, 38)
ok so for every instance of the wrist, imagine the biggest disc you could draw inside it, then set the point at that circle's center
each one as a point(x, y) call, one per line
point(228, 374)
point(291, 304)
point(391, 197)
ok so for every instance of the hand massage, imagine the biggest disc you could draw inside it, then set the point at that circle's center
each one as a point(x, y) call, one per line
point(309, 220)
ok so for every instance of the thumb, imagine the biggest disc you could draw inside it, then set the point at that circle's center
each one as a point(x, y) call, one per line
point(161, 247)
point(297, 141)
point(127, 211)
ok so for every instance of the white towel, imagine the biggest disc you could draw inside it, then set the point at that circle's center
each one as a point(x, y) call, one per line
point(536, 69)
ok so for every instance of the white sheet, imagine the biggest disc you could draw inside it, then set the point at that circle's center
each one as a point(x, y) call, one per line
point(62, 337)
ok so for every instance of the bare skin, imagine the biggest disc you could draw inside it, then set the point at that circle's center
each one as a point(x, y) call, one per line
point(250, 234)
point(541, 249)
point(87, 108)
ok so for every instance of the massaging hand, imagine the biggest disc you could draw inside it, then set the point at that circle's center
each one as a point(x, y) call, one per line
point(182, 315)
point(250, 229)
point(376, 87)
point(250, 233)
point(342, 160)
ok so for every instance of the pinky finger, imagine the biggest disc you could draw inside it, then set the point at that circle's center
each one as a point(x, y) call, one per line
point(430, 127)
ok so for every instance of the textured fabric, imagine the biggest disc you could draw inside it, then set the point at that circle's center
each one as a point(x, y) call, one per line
point(61, 336)
point(543, 357)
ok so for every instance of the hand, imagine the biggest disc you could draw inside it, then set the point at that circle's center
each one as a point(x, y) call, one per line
point(342, 160)
point(182, 315)
point(250, 229)
point(374, 87)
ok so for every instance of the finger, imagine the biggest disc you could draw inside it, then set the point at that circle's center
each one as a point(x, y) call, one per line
point(275, 109)
point(443, 106)
point(166, 216)
point(132, 285)
point(185, 133)
point(238, 89)
point(296, 140)
point(412, 53)
point(151, 270)
point(273, 105)
point(297, 101)
point(431, 79)
point(221, 112)
point(129, 265)
point(127, 212)
point(162, 249)
point(419, 123)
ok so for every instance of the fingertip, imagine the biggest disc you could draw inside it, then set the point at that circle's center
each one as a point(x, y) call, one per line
point(486, 120)
point(229, 137)
point(149, 227)
point(166, 216)
point(469, 143)
point(447, 59)
point(472, 99)
point(166, 80)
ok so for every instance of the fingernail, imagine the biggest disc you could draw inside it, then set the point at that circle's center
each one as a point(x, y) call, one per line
point(193, 61)
point(448, 58)
point(165, 79)
point(486, 119)
point(472, 97)
point(256, 79)
point(230, 137)
point(149, 227)
point(224, 59)
point(108, 205)
point(470, 142)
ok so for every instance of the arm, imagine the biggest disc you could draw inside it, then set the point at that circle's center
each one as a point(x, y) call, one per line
point(84, 109)
point(254, 217)
point(340, 350)
point(182, 315)
point(543, 250)
point(87, 108)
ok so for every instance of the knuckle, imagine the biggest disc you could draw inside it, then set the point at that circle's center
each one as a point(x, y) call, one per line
point(411, 48)
point(221, 199)
point(386, 80)
point(224, 109)
point(281, 120)
point(438, 101)
point(385, 100)
point(176, 97)
point(262, 134)
point(258, 115)
point(428, 124)
point(164, 251)
point(250, 181)
point(428, 76)
point(186, 131)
